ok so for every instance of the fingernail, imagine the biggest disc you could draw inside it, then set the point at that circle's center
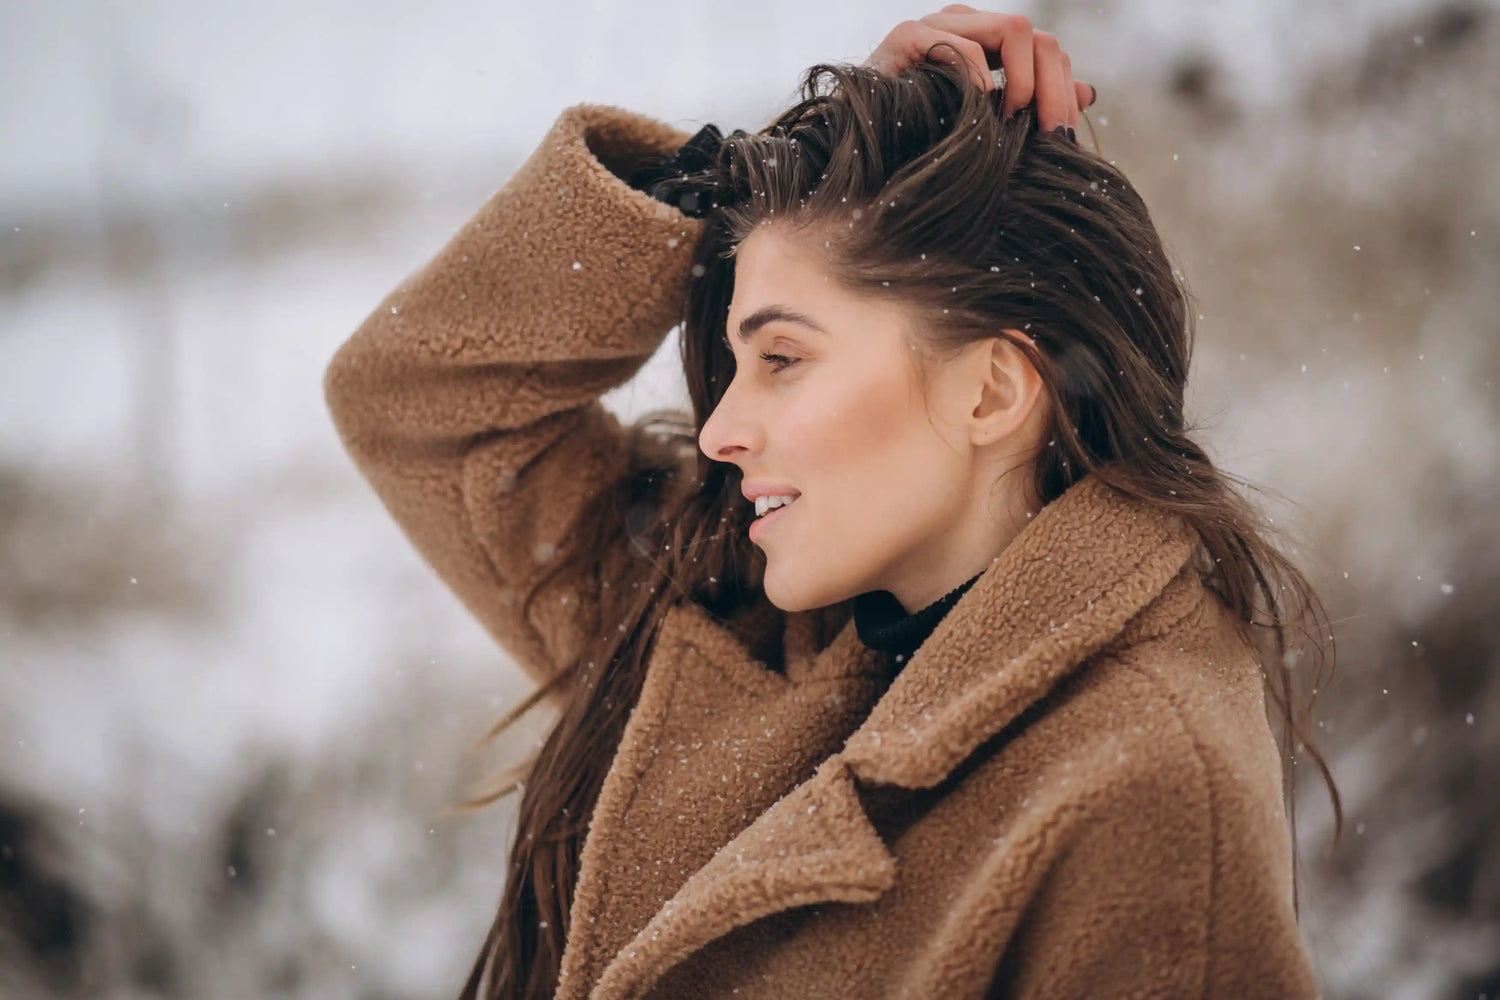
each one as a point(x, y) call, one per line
point(1061, 130)
point(1072, 134)
point(1096, 95)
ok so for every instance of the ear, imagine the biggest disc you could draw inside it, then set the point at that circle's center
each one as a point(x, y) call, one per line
point(1007, 389)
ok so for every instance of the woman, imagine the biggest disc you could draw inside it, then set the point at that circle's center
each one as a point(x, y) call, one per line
point(979, 711)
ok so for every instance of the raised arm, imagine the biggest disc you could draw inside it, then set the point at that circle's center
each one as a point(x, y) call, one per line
point(469, 398)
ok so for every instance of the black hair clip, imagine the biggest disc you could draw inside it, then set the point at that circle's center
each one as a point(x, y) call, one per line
point(685, 178)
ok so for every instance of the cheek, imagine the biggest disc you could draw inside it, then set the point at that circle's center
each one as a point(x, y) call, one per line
point(855, 436)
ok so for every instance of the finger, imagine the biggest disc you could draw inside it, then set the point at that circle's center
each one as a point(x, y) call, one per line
point(1009, 36)
point(1070, 90)
point(917, 38)
point(1084, 94)
point(958, 8)
point(1051, 99)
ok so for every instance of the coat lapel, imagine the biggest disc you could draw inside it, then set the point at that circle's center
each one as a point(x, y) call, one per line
point(1067, 585)
point(814, 845)
point(713, 742)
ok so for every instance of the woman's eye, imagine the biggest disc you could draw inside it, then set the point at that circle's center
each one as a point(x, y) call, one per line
point(781, 361)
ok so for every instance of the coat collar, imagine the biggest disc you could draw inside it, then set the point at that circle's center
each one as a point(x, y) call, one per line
point(1067, 585)
point(1063, 588)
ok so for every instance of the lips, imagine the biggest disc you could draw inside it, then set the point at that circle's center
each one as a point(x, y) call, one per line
point(753, 488)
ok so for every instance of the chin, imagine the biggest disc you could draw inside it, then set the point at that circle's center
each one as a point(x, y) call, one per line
point(788, 593)
point(778, 591)
point(783, 598)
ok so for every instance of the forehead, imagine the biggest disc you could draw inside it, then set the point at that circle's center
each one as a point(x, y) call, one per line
point(775, 260)
point(781, 267)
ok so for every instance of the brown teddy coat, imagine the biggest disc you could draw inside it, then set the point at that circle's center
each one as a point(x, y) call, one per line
point(1070, 790)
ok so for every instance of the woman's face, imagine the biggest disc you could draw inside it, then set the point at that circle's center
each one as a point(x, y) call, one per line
point(894, 492)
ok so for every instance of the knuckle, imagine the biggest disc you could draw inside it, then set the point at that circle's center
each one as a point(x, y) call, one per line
point(1019, 22)
point(1046, 41)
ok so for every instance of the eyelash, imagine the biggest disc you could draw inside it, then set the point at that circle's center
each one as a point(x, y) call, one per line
point(787, 362)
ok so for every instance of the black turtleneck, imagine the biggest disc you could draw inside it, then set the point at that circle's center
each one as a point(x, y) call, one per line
point(883, 624)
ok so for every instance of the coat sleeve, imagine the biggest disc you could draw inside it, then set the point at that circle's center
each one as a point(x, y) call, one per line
point(469, 398)
point(1165, 886)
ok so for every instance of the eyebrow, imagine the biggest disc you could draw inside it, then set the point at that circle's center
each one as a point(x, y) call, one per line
point(773, 314)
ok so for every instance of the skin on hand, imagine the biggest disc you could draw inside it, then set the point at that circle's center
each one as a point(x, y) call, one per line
point(898, 491)
point(1035, 65)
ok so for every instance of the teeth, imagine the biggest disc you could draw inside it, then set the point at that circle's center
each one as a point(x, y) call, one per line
point(764, 504)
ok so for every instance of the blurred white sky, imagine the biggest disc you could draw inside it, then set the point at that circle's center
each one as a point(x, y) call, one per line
point(173, 97)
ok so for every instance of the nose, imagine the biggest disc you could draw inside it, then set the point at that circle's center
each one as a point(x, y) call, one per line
point(728, 434)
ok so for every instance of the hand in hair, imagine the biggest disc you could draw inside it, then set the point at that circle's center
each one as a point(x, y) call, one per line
point(1035, 65)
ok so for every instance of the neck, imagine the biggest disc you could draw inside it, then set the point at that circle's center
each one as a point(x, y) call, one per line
point(958, 555)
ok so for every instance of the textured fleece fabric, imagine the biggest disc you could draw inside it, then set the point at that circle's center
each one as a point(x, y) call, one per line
point(1070, 790)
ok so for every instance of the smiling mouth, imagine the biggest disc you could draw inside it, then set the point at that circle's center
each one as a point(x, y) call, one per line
point(764, 521)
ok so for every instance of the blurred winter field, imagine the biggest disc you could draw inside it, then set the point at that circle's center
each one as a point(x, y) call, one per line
point(235, 707)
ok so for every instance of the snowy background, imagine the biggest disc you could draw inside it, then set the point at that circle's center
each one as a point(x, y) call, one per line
point(235, 707)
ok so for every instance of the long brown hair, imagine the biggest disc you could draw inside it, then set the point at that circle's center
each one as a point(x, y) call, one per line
point(924, 195)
